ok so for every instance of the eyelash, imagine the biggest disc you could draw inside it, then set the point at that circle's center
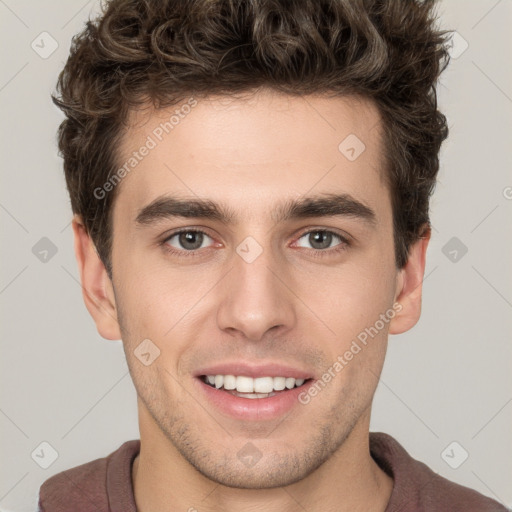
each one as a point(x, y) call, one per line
point(317, 253)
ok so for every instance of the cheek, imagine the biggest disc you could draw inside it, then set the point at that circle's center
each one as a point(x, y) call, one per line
point(352, 296)
point(158, 302)
point(142, 303)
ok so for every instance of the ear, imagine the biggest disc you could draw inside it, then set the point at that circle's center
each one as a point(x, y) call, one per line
point(97, 289)
point(409, 286)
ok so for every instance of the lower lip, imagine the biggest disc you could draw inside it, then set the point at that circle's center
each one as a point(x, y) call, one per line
point(253, 409)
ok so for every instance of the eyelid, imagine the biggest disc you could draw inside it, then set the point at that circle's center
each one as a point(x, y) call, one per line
point(195, 229)
point(342, 234)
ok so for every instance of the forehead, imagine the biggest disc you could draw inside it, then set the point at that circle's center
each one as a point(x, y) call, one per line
point(253, 151)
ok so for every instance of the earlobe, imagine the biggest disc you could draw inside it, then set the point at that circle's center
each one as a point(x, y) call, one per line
point(409, 287)
point(97, 288)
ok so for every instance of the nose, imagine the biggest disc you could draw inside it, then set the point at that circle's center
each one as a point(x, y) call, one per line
point(256, 298)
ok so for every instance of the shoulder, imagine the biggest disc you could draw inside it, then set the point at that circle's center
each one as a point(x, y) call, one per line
point(86, 487)
point(418, 488)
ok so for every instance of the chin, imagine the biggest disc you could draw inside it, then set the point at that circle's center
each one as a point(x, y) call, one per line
point(261, 476)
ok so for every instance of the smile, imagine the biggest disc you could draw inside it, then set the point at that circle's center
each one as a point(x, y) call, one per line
point(248, 387)
point(252, 399)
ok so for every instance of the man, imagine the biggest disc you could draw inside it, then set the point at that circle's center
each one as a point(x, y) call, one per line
point(250, 182)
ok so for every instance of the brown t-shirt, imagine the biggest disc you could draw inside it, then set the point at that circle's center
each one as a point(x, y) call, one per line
point(105, 485)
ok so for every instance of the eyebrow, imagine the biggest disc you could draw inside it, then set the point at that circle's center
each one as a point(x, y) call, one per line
point(323, 205)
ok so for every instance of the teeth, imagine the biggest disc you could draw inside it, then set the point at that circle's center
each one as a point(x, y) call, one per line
point(258, 386)
point(244, 384)
point(229, 382)
point(279, 383)
point(253, 395)
point(263, 384)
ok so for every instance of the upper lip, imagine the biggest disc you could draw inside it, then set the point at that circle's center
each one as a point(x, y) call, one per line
point(254, 370)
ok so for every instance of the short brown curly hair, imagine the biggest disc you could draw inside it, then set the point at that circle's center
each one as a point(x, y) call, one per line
point(162, 51)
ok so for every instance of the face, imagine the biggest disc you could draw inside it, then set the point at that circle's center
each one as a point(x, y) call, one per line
point(270, 277)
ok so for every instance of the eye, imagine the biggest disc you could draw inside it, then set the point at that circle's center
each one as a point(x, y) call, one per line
point(321, 239)
point(186, 240)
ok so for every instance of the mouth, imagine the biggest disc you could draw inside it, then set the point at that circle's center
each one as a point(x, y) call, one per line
point(253, 392)
point(251, 388)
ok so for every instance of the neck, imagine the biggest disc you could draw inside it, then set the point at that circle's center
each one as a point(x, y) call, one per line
point(350, 480)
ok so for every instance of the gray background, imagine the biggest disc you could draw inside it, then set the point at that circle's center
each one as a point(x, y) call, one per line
point(448, 379)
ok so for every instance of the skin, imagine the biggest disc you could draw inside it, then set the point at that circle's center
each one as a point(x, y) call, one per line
point(287, 306)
